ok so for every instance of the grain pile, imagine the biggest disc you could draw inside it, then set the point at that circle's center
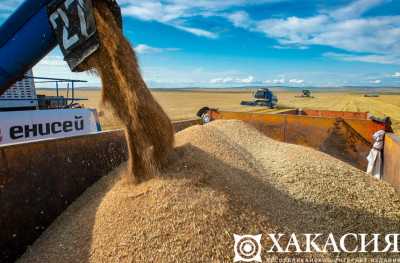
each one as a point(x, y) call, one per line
point(227, 178)
point(149, 131)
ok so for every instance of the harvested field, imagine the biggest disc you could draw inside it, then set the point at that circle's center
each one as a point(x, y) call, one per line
point(217, 186)
point(181, 105)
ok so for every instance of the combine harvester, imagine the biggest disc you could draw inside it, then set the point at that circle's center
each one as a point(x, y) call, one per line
point(306, 93)
point(264, 98)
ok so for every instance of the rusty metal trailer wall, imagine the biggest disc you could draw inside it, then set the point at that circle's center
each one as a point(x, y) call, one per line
point(391, 172)
point(38, 180)
point(330, 114)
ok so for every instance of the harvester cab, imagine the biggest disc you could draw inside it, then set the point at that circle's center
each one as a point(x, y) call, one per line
point(263, 97)
point(28, 35)
point(305, 93)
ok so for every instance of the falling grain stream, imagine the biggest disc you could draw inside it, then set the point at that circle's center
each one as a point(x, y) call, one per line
point(149, 131)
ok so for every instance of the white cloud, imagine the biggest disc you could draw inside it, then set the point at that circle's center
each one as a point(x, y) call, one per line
point(147, 10)
point(376, 81)
point(396, 75)
point(275, 81)
point(296, 81)
point(355, 9)
point(247, 80)
point(53, 60)
point(380, 59)
point(292, 30)
point(176, 13)
point(145, 49)
point(169, 14)
point(198, 32)
point(282, 80)
point(190, 7)
point(290, 47)
point(221, 80)
point(351, 35)
point(231, 80)
point(344, 28)
point(239, 19)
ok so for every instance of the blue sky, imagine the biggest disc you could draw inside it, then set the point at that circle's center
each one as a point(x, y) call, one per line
point(215, 43)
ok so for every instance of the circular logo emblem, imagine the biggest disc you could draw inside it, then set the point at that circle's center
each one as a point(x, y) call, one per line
point(247, 248)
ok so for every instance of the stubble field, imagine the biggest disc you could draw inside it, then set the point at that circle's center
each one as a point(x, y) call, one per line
point(181, 105)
